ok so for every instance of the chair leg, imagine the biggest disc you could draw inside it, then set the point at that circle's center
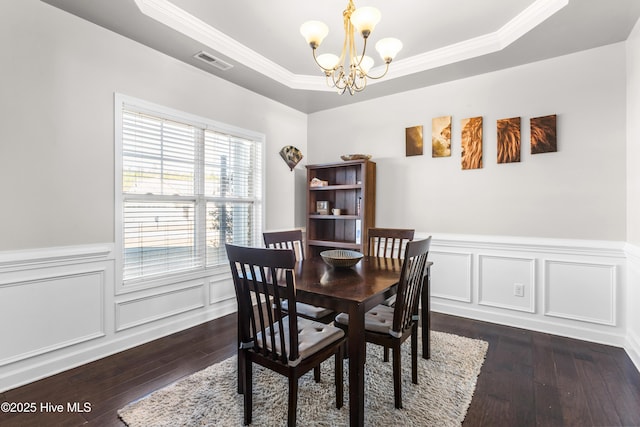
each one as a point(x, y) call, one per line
point(339, 378)
point(385, 354)
point(240, 372)
point(397, 378)
point(316, 373)
point(248, 391)
point(414, 354)
point(293, 400)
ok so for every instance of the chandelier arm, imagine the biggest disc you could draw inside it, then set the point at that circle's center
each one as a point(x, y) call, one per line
point(386, 69)
point(364, 50)
point(339, 79)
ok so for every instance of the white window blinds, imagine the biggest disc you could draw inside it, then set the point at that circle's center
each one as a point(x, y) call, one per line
point(187, 189)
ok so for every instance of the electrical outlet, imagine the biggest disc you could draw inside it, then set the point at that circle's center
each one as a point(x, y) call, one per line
point(518, 289)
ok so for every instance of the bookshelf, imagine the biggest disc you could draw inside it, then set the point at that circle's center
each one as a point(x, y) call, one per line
point(349, 186)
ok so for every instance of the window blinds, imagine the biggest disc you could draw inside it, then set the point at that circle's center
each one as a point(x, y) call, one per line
point(186, 191)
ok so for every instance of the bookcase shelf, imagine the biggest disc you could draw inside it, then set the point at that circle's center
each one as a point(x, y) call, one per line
point(352, 189)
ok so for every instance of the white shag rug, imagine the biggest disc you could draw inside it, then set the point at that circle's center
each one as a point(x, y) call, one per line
point(208, 398)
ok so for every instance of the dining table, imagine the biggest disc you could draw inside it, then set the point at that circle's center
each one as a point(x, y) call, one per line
point(355, 291)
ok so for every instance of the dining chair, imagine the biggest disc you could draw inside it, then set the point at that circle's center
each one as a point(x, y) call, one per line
point(292, 239)
point(388, 242)
point(266, 276)
point(391, 326)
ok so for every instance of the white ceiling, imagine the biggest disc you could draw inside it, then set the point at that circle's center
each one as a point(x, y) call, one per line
point(443, 39)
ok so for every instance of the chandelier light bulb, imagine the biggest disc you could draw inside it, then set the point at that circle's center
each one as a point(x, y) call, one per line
point(388, 48)
point(328, 61)
point(314, 32)
point(365, 20)
point(365, 64)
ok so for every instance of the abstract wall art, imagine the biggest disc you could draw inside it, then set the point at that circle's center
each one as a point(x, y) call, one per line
point(543, 134)
point(414, 142)
point(441, 136)
point(471, 143)
point(508, 140)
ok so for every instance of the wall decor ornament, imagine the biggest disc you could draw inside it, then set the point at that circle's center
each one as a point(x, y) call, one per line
point(291, 155)
point(543, 134)
point(441, 136)
point(414, 144)
point(509, 140)
point(471, 143)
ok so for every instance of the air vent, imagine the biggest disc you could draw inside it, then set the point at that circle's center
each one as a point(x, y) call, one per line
point(212, 60)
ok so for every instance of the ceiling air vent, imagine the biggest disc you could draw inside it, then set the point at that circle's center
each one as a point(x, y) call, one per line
point(212, 60)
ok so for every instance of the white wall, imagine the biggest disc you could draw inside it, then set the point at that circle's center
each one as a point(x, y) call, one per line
point(555, 222)
point(58, 76)
point(633, 189)
point(578, 192)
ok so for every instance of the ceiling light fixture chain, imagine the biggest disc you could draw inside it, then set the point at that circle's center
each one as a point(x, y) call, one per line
point(363, 20)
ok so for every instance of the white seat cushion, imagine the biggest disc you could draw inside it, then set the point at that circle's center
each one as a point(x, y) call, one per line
point(308, 310)
point(378, 319)
point(312, 336)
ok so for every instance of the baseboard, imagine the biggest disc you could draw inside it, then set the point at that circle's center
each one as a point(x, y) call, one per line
point(581, 332)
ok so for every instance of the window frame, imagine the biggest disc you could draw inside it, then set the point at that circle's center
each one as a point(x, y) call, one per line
point(162, 112)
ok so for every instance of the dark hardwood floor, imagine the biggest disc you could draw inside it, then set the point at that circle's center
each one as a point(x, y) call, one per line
point(528, 378)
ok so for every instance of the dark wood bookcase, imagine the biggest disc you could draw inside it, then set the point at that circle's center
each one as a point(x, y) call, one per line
point(351, 187)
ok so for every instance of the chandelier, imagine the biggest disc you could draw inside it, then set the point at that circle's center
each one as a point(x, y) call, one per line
point(351, 78)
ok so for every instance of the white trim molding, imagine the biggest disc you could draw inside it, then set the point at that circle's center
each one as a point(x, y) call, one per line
point(183, 22)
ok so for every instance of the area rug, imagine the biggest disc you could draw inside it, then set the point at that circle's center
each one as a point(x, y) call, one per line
point(208, 398)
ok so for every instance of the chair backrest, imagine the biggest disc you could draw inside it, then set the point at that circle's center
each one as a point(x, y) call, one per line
point(290, 239)
point(264, 277)
point(410, 285)
point(388, 242)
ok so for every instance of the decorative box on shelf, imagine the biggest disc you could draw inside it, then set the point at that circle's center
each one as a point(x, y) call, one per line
point(315, 182)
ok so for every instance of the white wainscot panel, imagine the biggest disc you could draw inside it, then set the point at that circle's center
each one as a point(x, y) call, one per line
point(499, 276)
point(451, 275)
point(42, 314)
point(149, 308)
point(221, 288)
point(581, 291)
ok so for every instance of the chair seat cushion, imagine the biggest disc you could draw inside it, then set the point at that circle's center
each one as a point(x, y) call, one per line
point(378, 319)
point(308, 310)
point(312, 336)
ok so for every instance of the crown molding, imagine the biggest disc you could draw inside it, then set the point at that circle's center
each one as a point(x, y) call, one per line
point(179, 20)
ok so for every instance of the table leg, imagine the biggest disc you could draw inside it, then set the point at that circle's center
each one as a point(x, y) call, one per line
point(426, 315)
point(357, 357)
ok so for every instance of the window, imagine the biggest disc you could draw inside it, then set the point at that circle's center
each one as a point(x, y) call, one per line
point(188, 186)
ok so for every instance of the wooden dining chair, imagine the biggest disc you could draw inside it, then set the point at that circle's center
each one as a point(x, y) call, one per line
point(292, 239)
point(388, 242)
point(267, 276)
point(391, 326)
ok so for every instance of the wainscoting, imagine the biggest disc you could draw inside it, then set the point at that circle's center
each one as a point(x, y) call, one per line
point(574, 288)
point(61, 307)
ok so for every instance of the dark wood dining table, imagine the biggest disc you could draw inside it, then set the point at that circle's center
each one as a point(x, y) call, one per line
point(355, 291)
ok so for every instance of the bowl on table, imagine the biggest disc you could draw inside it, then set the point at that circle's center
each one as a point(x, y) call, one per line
point(341, 258)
